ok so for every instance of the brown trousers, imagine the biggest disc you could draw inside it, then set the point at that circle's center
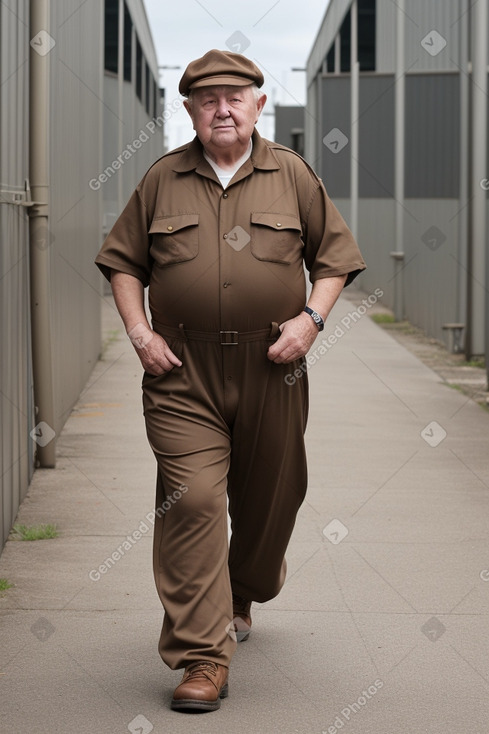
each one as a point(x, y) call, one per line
point(225, 424)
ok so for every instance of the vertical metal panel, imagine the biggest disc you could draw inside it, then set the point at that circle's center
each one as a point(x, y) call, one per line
point(376, 234)
point(335, 116)
point(16, 406)
point(376, 154)
point(126, 122)
point(437, 22)
point(287, 119)
point(431, 272)
point(337, 9)
point(385, 52)
point(432, 136)
point(77, 109)
point(76, 95)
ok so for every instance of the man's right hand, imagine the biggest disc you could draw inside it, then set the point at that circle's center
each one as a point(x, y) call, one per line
point(153, 351)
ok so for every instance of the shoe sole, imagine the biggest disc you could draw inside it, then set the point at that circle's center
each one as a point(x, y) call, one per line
point(195, 704)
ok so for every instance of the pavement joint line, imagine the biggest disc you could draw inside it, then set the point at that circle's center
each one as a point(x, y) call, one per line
point(73, 597)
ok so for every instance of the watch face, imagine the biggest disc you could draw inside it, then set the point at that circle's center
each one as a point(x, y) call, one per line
point(317, 318)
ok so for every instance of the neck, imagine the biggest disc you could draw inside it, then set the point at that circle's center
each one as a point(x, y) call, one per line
point(227, 157)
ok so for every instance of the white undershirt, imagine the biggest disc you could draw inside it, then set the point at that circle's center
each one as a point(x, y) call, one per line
point(225, 174)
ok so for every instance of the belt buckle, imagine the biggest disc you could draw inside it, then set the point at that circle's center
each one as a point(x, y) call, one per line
point(229, 338)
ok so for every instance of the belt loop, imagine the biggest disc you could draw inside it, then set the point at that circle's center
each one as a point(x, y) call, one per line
point(182, 332)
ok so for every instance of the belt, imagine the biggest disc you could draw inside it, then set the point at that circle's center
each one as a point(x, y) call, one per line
point(225, 337)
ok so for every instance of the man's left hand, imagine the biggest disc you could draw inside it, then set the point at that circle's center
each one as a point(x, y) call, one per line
point(297, 337)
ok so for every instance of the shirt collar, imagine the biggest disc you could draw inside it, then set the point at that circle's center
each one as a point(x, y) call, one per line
point(192, 157)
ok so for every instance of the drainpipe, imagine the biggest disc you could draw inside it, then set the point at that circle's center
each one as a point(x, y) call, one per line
point(478, 263)
point(39, 240)
point(354, 107)
point(398, 254)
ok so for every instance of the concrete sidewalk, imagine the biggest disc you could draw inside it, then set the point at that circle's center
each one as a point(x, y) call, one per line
point(382, 625)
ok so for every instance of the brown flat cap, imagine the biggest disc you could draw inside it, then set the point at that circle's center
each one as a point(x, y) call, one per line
point(220, 67)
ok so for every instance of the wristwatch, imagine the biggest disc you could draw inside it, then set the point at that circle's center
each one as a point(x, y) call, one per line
point(316, 317)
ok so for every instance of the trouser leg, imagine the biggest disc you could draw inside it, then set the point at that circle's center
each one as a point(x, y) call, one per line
point(268, 475)
point(192, 448)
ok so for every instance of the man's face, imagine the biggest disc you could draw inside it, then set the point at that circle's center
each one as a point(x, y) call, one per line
point(224, 116)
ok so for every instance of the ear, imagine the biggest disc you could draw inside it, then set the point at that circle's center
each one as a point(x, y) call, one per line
point(189, 110)
point(260, 104)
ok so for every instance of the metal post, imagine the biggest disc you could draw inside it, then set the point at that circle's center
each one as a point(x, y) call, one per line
point(39, 246)
point(461, 285)
point(398, 254)
point(354, 107)
point(478, 264)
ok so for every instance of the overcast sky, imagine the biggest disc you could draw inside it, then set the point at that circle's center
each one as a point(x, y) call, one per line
point(275, 34)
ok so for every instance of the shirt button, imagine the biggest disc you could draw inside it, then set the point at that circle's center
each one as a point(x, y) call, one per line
point(279, 224)
point(225, 196)
point(226, 284)
point(225, 236)
point(170, 228)
point(229, 377)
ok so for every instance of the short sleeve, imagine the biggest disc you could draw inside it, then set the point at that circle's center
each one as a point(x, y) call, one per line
point(126, 247)
point(330, 248)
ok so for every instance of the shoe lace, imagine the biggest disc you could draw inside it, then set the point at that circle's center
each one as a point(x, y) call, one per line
point(201, 668)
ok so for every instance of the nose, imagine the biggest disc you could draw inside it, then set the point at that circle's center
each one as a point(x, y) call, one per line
point(223, 108)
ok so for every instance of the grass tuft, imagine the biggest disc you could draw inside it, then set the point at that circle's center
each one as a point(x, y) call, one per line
point(4, 585)
point(383, 318)
point(34, 532)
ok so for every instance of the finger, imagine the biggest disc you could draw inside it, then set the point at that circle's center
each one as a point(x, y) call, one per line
point(173, 359)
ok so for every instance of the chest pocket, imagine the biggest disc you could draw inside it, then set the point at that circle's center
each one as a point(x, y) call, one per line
point(276, 237)
point(174, 239)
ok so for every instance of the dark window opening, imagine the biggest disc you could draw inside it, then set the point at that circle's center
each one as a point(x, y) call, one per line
point(127, 45)
point(111, 32)
point(345, 42)
point(139, 70)
point(155, 99)
point(366, 34)
point(147, 94)
point(297, 141)
point(330, 60)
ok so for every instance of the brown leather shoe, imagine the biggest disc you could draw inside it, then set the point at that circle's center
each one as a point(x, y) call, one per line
point(203, 684)
point(241, 618)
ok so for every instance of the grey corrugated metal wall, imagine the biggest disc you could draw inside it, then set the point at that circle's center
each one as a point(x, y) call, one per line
point(80, 106)
point(435, 239)
point(16, 405)
point(76, 96)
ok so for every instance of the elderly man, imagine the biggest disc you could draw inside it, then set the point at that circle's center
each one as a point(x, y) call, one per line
point(219, 230)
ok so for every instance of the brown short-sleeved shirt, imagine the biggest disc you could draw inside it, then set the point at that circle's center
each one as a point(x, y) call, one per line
point(229, 259)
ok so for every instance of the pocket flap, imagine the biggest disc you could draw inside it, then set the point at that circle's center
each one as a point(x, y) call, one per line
point(173, 223)
point(276, 220)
